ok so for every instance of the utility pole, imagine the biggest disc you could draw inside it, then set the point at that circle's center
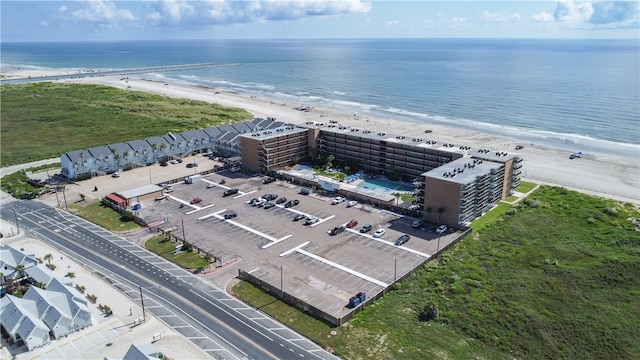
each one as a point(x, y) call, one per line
point(395, 269)
point(16, 216)
point(184, 237)
point(281, 288)
point(144, 315)
point(64, 195)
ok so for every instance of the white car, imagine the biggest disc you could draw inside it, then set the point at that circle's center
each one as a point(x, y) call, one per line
point(115, 175)
point(174, 161)
point(379, 233)
point(441, 229)
point(352, 203)
point(417, 223)
point(337, 200)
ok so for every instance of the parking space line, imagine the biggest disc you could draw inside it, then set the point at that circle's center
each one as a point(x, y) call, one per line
point(294, 249)
point(336, 265)
point(391, 244)
point(245, 194)
point(320, 221)
point(277, 241)
point(199, 208)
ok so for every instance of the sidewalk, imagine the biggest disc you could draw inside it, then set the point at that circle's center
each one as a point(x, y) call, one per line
point(108, 336)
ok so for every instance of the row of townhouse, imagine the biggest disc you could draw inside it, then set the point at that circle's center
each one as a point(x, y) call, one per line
point(100, 160)
point(40, 315)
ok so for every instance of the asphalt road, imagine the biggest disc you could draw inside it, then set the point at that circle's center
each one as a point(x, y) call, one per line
point(218, 323)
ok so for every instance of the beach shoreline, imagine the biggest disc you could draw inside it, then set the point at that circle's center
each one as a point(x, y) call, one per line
point(609, 176)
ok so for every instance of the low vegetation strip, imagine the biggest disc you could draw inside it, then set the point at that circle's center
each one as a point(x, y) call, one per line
point(554, 277)
point(45, 120)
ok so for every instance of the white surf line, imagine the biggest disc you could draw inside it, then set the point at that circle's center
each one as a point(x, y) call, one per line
point(331, 263)
point(320, 221)
point(391, 244)
point(277, 241)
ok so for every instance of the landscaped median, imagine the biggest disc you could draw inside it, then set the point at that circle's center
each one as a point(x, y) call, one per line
point(180, 253)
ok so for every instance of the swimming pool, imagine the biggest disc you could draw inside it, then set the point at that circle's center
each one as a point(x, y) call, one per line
point(384, 184)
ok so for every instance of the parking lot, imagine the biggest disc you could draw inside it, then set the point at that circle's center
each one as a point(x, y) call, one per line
point(302, 260)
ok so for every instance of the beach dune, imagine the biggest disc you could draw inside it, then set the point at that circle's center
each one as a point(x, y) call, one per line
point(614, 177)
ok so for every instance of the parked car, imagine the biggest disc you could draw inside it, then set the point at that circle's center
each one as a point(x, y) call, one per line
point(366, 228)
point(192, 165)
point(336, 230)
point(281, 200)
point(337, 200)
point(253, 201)
point(378, 233)
point(179, 161)
point(269, 204)
point(260, 202)
point(230, 215)
point(230, 192)
point(440, 229)
point(311, 220)
point(235, 169)
point(174, 161)
point(270, 197)
point(291, 203)
point(402, 239)
point(115, 175)
point(163, 163)
point(352, 223)
point(268, 180)
point(299, 217)
point(417, 223)
point(352, 203)
point(196, 201)
point(211, 186)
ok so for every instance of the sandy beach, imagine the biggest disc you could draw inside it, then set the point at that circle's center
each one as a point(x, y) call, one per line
point(602, 175)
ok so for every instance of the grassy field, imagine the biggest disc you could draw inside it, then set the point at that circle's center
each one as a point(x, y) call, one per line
point(554, 277)
point(45, 120)
point(102, 216)
point(186, 259)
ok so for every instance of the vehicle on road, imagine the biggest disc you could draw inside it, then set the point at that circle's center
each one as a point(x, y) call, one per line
point(440, 229)
point(352, 203)
point(196, 201)
point(291, 203)
point(336, 230)
point(337, 200)
point(352, 223)
point(417, 223)
point(299, 217)
point(115, 175)
point(402, 239)
point(379, 233)
point(311, 220)
point(230, 215)
point(366, 228)
point(281, 200)
point(230, 192)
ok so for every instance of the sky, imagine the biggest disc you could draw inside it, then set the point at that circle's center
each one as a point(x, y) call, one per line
point(103, 20)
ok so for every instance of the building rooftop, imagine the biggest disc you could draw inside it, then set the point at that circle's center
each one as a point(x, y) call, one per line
point(463, 170)
point(272, 133)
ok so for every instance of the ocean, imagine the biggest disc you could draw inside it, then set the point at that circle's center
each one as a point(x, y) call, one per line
point(578, 95)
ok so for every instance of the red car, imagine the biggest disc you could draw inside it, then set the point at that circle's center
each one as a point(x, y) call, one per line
point(352, 223)
point(196, 201)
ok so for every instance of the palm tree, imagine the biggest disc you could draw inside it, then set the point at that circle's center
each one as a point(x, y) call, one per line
point(70, 275)
point(440, 211)
point(48, 258)
point(116, 159)
point(126, 156)
point(397, 195)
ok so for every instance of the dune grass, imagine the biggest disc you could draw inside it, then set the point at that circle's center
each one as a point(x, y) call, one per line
point(45, 120)
point(554, 277)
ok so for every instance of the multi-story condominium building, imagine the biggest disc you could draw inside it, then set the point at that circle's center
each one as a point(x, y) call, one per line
point(274, 148)
point(454, 184)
